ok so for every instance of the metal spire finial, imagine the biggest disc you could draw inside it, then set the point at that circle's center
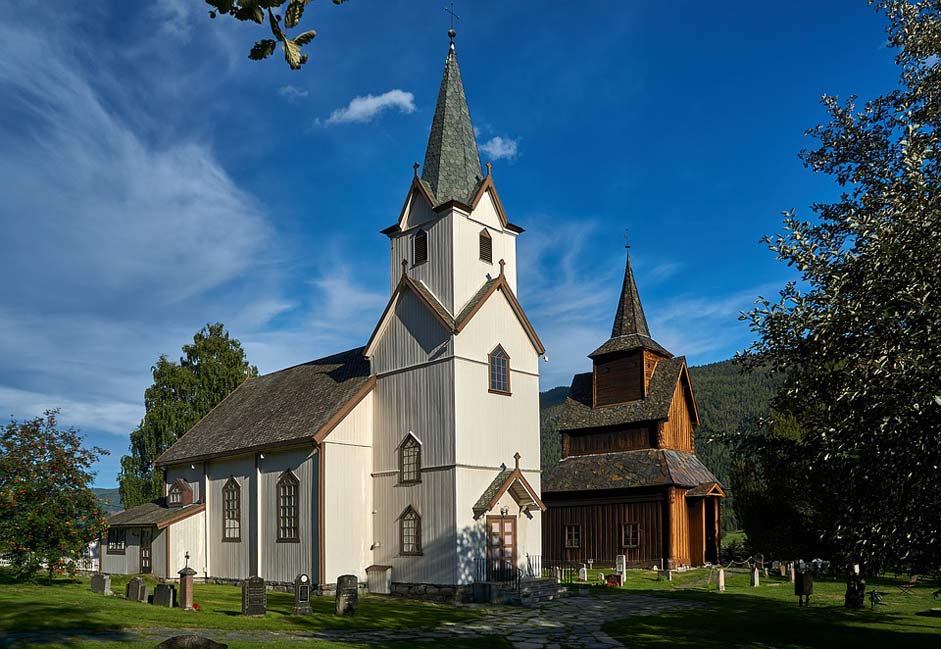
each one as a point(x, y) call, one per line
point(451, 32)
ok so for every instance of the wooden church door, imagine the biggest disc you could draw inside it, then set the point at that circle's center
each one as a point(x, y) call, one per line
point(501, 547)
point(146, 543)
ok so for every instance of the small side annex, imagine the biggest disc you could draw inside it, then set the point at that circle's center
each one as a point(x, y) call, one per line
point(629, 482)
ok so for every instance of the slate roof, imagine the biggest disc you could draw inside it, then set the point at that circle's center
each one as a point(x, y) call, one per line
point(577, 411)
point(153, 514)
point(629, 330)
point(626, 470)
point(452, 163)
point(286, 406)
point(483, 503)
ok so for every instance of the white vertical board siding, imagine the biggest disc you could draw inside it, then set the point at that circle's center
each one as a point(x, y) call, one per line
point(412, 336)
point(437, 272)
point(470, 272)
point(127, 563)
point(187, 535)
point(348, 503)
point(420, 401)
point(496, 324)
point(193, 476)
point(158, 553)
point(472, 534)
point(228, 560)
point(284, 561)
point(433, 498)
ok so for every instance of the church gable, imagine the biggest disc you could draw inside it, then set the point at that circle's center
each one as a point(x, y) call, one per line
point(414, 329)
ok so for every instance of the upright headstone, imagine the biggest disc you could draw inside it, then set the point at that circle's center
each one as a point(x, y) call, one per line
point(664, 575)
point(101, 584)
point(190, 642)
point(782, 568)
point(347, 594)
point(557, 573)
point(165, 595)
point(754, 577)
point(186, 587)
point(302, 595)
point(620, 565)
point(136, 590)
point(583, 573)
point(721, 580)
point(790, 571)
point(254, 596)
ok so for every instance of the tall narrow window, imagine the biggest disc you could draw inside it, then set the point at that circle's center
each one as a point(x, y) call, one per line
point(486, 247)
point(573, 536)
point(409, 532)
point(410, 460)
point(117, 540)
point(499, 364)
point(420, 255)
point(629, 535)
point(288, 508)
point(232, 511)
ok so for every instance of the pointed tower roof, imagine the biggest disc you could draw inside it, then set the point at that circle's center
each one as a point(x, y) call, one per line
point(452, 163)
point(630, 329)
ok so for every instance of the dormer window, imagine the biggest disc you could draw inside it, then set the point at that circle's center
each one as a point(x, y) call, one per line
point(486, 246)
point(179, 494)
point(499, 365)
point(420, 248)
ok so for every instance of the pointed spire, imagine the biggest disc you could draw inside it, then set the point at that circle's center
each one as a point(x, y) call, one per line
point(452, 163)
point(629, 318)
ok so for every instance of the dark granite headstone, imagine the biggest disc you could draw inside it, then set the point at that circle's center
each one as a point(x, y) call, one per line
point(302, 595)
point(254, 596)
point(136, 590)
point(347, 594)
point(190, 642)
point(165, 595)
point(101, 584)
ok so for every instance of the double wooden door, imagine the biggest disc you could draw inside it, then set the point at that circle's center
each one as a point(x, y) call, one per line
point(146, 545)
point(501, 548)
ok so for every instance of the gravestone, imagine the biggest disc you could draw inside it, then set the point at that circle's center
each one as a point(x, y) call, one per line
point(190, 642)
point(254, 596)
point(620, 566)
point(790, 571)
point(186, 586)
point(347, 594)
point(754, 577)
point(101, 584)
point(583, 573)
point(165, 595)
point(136, 590)
point(557, 573)
point(782, 568)
point(804, 587)
point(721, 580)
point(302, 595)
point(664, 575)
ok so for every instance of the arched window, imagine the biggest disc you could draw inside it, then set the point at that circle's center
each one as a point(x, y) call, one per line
point(409, 532)
point(486, 246)
point(288, 508)
point(232, 511)
point(499, 364)
point(420, 252)
point(409, 460)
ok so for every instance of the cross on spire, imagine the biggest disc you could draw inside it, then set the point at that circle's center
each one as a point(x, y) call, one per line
point(451, 32)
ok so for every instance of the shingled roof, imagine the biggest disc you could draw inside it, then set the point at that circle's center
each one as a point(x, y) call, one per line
point(627, 469)
point(630, 329)
point(452, 163)
point(577, 411)
point(277, 409)
point(154, 514)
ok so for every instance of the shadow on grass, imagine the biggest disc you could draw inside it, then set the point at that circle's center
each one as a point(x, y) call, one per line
point(744, 620)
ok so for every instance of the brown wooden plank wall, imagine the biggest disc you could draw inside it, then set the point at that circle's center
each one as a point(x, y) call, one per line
point(619, 379)
point(608, 441)
point(650, 364)
point(697, 530)
point(679, 524)
point(678, 429)
point(600, 531)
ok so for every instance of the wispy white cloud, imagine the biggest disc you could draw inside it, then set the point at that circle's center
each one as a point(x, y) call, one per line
point(366, 108)
point(292, 93)
point(499, 148)
point(175, 18)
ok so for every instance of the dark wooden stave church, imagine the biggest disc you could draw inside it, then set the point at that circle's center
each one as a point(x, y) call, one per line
point(629, 481)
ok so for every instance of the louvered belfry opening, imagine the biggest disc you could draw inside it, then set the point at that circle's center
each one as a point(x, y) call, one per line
point(486, 247)
point(421, 248)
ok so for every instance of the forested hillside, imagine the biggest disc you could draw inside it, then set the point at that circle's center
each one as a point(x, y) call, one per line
point(110, 499)
point(729, 401)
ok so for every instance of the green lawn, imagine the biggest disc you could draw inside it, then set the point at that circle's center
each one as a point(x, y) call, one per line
point(768, 616)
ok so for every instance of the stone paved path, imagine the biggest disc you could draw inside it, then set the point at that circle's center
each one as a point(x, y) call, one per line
point(574, 622)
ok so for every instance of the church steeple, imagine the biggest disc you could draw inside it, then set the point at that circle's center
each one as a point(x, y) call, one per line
point(630, 329)
point(452, 163)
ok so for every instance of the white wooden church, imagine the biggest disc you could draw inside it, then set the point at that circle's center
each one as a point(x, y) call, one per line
point(418, 452)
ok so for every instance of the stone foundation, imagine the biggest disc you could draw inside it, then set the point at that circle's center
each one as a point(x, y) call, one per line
point(434, 592)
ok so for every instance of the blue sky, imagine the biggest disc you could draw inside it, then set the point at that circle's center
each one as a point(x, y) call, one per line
point(154, 179)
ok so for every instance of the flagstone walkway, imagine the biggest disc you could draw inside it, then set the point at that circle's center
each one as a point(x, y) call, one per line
point(574, 622)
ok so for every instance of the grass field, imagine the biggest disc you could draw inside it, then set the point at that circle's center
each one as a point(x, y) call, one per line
point(768, 616)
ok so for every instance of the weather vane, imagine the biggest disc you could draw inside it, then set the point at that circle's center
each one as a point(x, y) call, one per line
point(627, 239)
point(450, 11)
